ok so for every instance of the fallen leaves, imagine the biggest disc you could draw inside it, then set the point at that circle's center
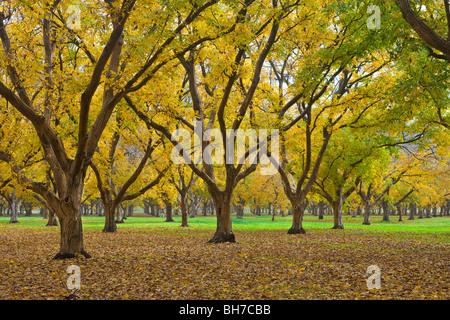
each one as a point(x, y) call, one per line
point(156, 264)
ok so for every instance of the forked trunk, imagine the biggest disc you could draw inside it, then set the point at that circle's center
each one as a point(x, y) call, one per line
point(298, 210)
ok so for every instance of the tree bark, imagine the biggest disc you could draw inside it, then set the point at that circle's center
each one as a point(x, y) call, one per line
point(423, 30)
point(52, 220)
point(298, 210)
point(412, 211)
point(169, 212)
point(184, 213)
point(367, 212)
point(224, 232)
point(121, 212)
point(399, 212)
point(386, 211)
point(428, 212)
point(337, 215)
point(110, 223)
point(71, 241)
point(321, 209)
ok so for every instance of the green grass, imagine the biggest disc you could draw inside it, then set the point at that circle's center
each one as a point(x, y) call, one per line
point(436, 225)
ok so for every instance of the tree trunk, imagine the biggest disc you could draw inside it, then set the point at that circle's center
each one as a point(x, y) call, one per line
point(337, 215)
point(52, 220)
point(298, 210)
point(110, 224)
point(204, 207)
point(367, 211)
point(152, 210)
point(412, 209)
point(321, 209)
point(14, 204)
point(428, 212)
point(71, 242)
point(224, 231)
point(386, 211)
point(120, 214)
point(169, 212)
point(420, 213)
point(399, 212)
point(184, 213)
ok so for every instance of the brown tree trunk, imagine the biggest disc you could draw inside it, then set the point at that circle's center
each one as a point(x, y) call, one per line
point(110, 223)
point(204, 208)
point(169, 212)
point(321, 209)
point(367, 211)
point(428, 212)
point(337, 215)
point(412, 209)
point(298, 210)
point(224, 231)
point(420, 213)
point(399, 212)
point(52, 220)
point(184, 213)
point(386, 211)
point(71, 241)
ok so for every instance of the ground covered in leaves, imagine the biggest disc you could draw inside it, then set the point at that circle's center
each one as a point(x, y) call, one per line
point(177, 263)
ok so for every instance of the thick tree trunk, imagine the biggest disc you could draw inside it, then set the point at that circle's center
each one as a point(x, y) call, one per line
point(224, 231)
point(298, 210)
point(110, 223)
point(367, 212)
point(71, 242)
point(337, 215)
point(169, 212)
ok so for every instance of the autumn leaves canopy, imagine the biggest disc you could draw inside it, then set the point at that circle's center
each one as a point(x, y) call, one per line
point(95, 107)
